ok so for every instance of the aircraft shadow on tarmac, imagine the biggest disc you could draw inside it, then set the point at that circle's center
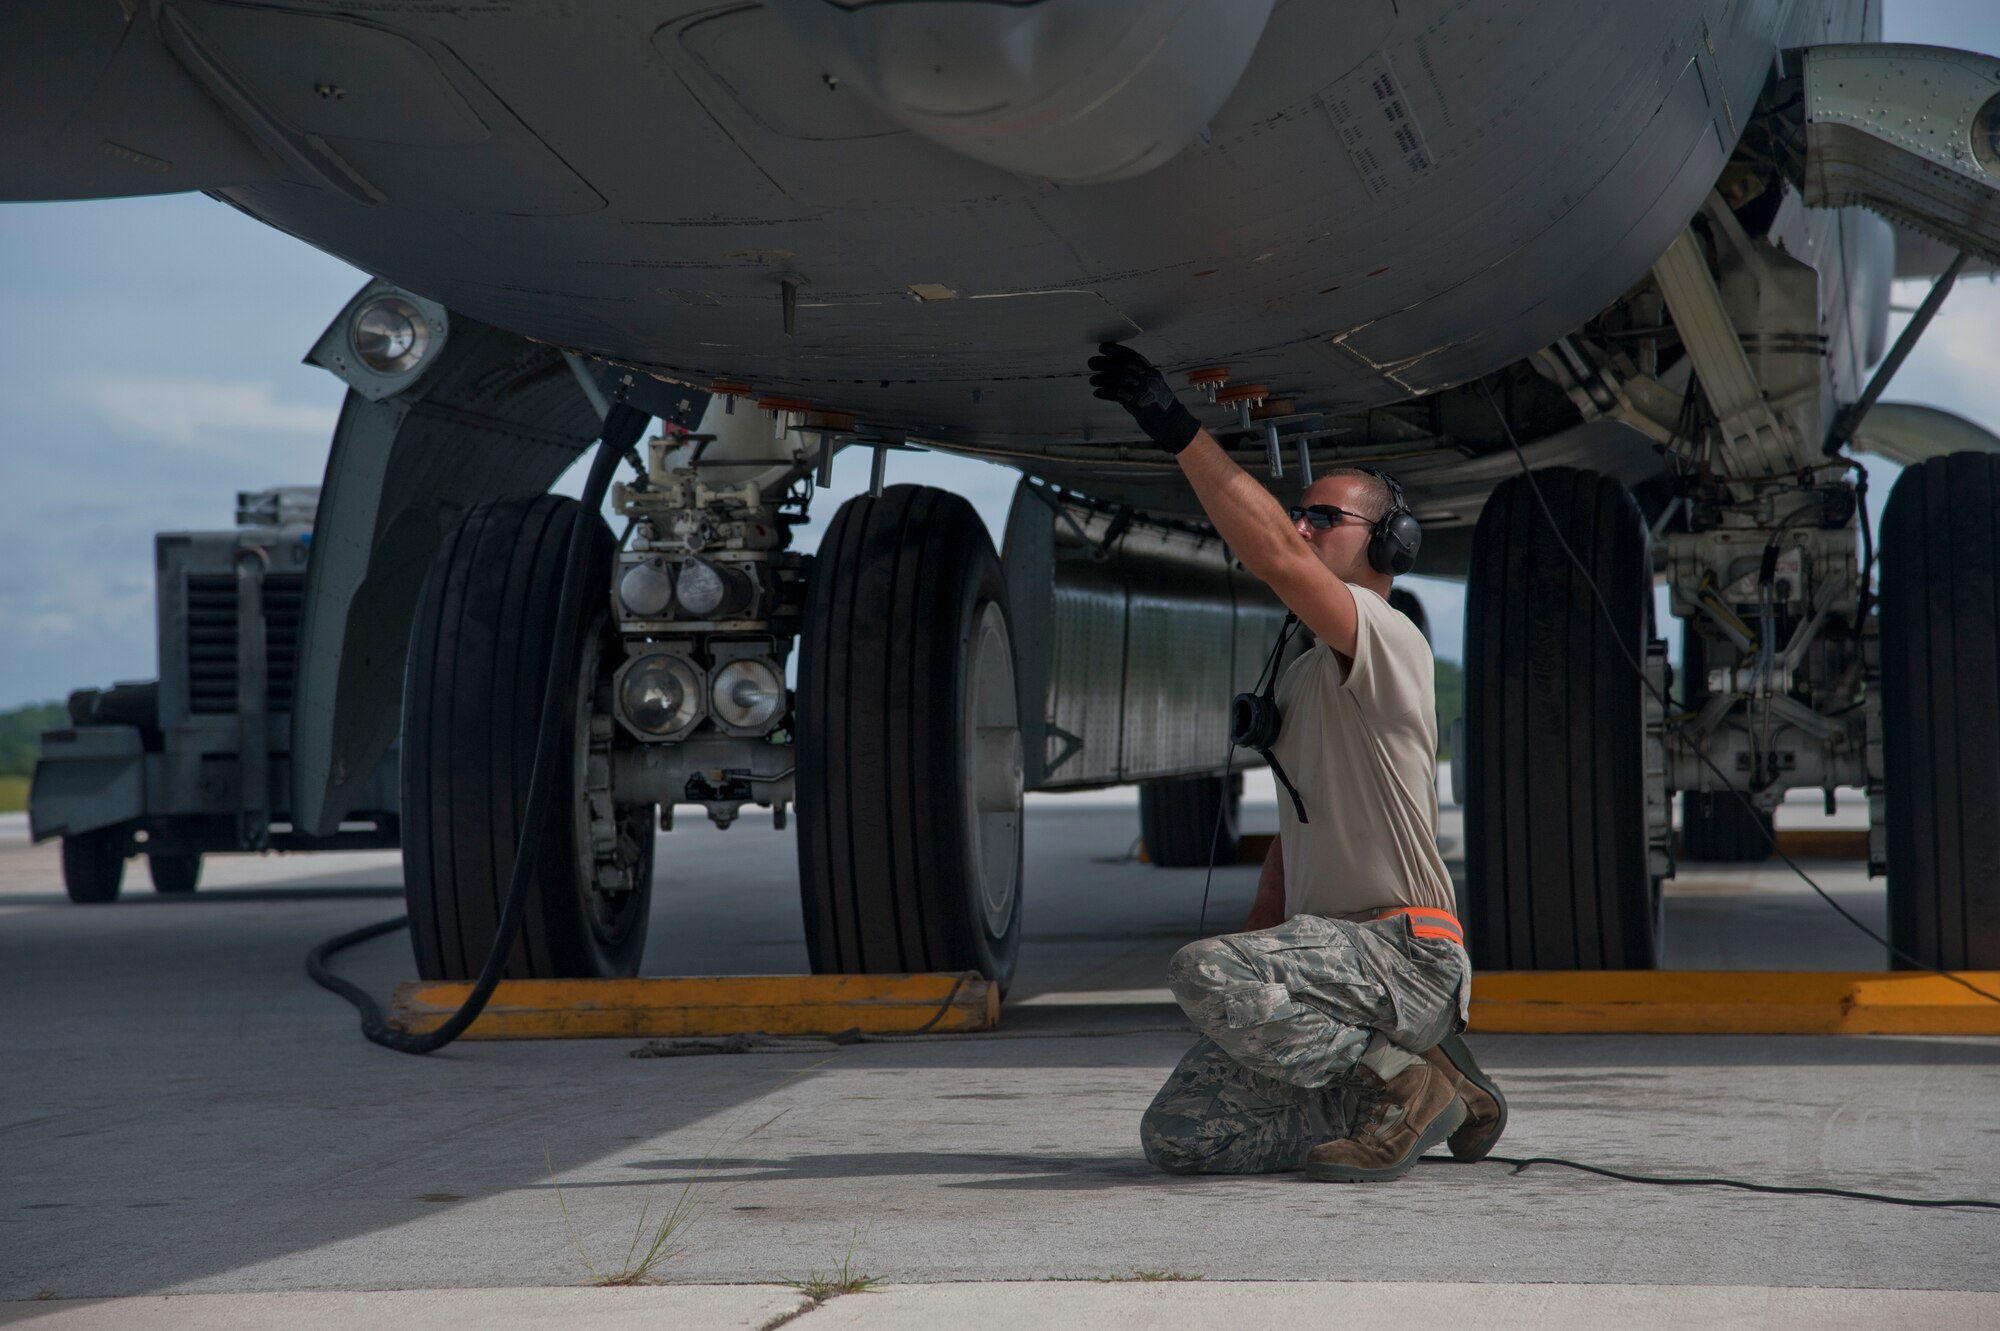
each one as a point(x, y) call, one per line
point(218, 896)
point(1055, 1172)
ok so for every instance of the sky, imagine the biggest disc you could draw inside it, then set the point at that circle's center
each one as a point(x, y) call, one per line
point(150, 367)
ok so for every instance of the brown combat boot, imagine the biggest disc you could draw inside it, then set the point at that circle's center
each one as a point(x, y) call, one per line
point(1414, 1111)
point(1485, 1106)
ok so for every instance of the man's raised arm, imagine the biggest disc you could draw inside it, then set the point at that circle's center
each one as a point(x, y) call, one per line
point(1253, 524)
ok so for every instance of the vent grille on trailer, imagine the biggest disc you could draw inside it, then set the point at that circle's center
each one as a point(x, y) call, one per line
point(211, 639)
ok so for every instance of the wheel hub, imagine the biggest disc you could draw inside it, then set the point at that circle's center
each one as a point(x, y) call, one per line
point(609, 854)
point(993, 748)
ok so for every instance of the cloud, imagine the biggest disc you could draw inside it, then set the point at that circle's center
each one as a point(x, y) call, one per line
point(1952, 366)
point(194, 412)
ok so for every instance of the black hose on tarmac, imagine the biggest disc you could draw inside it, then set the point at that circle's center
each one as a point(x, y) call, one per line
point(623, 425)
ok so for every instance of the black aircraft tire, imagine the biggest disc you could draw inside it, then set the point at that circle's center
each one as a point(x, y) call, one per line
point(480, 648)
point(93, 865)
point(174, 875)
point(1177, 819)
point(909, 845)
point(1557, 866)
point(1940, 642)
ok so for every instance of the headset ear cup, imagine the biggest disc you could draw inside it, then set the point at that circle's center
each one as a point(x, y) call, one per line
point(1381, 556)
point(1402, 536)
point(1393, 545)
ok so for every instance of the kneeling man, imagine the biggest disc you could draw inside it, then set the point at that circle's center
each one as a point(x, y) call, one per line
point(1330, 1025)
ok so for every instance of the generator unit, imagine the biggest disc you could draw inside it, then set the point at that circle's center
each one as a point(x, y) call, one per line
point(198, 761)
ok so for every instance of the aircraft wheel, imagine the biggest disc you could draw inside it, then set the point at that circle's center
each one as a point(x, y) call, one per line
point(93, 865)
point(1559, 874)
point(1177, 819)
point(480, 648)
point(174, 875)
point(1940, 645)
point(909, 744)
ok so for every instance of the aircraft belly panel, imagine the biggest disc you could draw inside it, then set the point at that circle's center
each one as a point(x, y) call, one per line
point(96, 109)
point(1671, 166)
point(1287, 249)
point(693, 169)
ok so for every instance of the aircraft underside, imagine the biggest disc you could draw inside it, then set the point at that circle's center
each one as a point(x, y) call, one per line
point(1614, 274)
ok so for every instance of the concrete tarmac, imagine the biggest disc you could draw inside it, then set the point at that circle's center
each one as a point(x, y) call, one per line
point(182, 1112)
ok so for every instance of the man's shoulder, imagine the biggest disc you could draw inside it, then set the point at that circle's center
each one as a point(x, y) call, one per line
point(1393, 631)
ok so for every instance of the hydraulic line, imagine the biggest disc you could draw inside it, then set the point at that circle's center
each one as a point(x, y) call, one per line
point(623, 425)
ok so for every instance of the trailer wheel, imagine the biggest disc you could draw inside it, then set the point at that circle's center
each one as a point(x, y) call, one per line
point(480, 648)
point(1558, 865)
point(1941, 711)
point(1177, 819)
point(909, 743)
point(174, 875)
point(93, 865)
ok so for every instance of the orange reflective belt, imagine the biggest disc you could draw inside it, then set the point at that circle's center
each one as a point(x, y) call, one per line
point(1429, 922)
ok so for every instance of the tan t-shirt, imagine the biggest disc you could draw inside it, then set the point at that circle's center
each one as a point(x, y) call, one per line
point(1360, 744)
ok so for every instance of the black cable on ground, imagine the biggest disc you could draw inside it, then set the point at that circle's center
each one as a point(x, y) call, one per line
point(1521, 1163)
point(622, 427)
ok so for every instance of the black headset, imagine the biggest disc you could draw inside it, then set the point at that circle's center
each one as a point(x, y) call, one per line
point(1396, 537)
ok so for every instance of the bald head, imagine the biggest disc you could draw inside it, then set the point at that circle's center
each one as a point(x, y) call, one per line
point(1354, 490)
point(1343, 547)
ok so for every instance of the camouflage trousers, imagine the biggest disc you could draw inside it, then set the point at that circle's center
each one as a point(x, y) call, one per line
point(1285, 1015)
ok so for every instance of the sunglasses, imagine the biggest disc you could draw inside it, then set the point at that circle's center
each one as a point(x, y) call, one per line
point(1324, 516)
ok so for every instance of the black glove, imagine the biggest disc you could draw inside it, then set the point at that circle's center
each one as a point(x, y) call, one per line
point(1120, 374)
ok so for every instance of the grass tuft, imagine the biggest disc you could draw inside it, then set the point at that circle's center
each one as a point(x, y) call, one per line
point(648, 1251)
point(654, 1247)
point(843, 1279)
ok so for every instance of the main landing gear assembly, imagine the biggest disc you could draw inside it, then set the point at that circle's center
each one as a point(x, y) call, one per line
point(1800, 669)
point(901, 748)
point(1787, 680)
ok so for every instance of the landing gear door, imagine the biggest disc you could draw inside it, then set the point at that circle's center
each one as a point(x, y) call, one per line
point(432, 425)
point(1941, 180)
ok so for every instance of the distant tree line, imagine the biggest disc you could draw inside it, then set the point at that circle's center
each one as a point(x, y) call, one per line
point(1451, 699)
point(21, 735)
